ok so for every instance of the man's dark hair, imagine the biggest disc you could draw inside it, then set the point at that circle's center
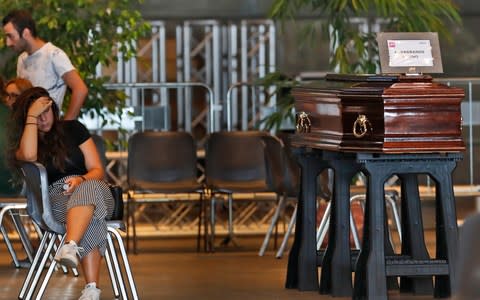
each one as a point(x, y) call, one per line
point(21, 19)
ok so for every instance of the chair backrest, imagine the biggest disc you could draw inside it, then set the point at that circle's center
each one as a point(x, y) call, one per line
point(275, 161)
point(235, 161)
point(101, 148)
point(162, 161)
point(117, 191)
point(283, 171)
point(38, 203)
point(292, 165)
point(292, 176)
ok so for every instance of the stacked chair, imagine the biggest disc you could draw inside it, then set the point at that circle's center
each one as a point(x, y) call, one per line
point(39, 209)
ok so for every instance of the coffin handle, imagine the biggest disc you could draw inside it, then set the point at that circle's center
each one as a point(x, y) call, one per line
point(303, 123)
point(361, 126)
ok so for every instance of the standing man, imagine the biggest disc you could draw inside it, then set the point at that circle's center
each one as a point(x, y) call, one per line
point(43, 63)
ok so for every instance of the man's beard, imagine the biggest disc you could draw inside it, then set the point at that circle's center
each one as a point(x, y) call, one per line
point(21, 46)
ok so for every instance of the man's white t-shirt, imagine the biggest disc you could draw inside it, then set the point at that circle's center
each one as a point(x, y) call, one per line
point(45, 67)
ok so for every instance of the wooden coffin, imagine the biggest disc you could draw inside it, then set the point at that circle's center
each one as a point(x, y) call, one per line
point(388, 114)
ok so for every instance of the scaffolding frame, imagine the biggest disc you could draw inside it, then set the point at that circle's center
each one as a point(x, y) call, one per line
point(198, 60)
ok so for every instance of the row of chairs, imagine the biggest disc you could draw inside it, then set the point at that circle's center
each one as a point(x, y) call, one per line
point(161, 164)
point(165, 163)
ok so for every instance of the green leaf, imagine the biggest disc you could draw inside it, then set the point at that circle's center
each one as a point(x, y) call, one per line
point(87, 31)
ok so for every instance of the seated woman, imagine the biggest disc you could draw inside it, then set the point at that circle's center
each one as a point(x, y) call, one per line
point(79, 196)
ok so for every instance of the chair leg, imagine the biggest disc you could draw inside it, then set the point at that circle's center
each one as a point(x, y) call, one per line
point(354, 230)
point(115, 266)
point(36, 260)
point(47, 277)
point(23, 235)
point(8, 209)
point(131, 205)
point(43, 255)
point(200, 221)
point(134, 225)
point(325, 222)
point(212, 223)
point(39, 268)
point(273, 223)
point(230, 219)
point(291, 224)
point(128, 221)
point(9, 245)
point(206, 240)
point(392, 201)
point(353, 225)
point(231, 235)
point(323, 227)
point(126, 264)
point(112, 274)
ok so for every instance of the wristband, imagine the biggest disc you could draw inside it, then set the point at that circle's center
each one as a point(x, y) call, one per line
point(30, 123)
point(36, 117)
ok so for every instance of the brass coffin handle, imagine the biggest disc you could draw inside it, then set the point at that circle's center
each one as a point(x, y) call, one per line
point(303, 123)
point(361, 126)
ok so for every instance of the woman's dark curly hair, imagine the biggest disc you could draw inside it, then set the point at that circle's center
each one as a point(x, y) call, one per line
point(51, 145)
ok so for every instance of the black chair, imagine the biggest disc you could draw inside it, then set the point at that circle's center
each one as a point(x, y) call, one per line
point(160, 165)
point(235, 163)
point(39, 209)
point(285, 174)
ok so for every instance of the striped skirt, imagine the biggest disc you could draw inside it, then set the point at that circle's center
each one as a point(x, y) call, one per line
point(90, 192)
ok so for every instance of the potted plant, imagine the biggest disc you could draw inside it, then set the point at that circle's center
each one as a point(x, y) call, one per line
point(282, 85)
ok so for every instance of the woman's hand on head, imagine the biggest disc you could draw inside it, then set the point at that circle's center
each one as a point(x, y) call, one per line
point(39, 106)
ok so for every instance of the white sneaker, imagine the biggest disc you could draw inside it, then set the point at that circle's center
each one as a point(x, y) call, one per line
point(67, 255)
point(90, 293)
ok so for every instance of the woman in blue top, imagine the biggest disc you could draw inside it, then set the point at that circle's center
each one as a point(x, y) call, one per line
point(79, 196)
